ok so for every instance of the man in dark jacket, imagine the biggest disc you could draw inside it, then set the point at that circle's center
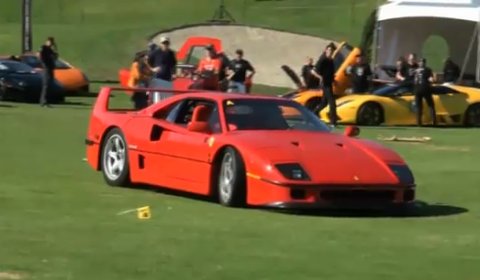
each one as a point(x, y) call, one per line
point(48, 56)
point(163, 63)
point(325, 71)
point(451, 71)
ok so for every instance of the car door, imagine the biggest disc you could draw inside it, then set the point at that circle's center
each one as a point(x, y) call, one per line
point(181, 158)
point(400, 107)
point(450, 104)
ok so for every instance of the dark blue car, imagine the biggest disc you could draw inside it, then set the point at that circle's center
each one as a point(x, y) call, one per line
point(20, 83)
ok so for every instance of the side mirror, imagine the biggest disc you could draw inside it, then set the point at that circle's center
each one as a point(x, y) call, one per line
point(352, 131)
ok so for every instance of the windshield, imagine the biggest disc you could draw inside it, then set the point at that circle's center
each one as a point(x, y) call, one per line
point(258, 114)
point(14, 66)
point(391, 89)
point(36, 63)
point(195, 55)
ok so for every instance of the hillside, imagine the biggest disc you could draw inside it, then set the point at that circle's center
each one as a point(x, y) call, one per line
point(101, 36)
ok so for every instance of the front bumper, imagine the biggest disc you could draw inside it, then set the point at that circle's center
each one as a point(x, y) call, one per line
point(268, 194)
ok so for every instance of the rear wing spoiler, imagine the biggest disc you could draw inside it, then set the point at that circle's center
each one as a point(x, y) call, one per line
point(103, 98)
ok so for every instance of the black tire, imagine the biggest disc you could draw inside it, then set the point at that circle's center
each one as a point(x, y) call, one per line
point(370, 114)
point(312, 103)
point(231, 191)
point(472, 115)
point(120, 177)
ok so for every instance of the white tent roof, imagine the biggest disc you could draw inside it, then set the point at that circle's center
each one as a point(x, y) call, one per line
point(468, 10)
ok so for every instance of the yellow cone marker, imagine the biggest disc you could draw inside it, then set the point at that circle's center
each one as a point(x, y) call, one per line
point(143, 213)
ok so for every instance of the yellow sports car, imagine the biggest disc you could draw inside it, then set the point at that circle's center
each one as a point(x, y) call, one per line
point(395, 105)
point(343, 56)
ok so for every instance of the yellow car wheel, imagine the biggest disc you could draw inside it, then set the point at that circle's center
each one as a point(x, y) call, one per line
point(472, 116)
point(370, 114)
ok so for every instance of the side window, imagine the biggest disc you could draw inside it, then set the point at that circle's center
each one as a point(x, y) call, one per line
point(169, 114)
point(186, 113)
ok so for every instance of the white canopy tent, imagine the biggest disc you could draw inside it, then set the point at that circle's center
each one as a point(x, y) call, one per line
point(403, 26)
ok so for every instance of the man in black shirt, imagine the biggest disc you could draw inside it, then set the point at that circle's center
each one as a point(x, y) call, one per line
point(308, 79)
point(48, 56)
point(408, 71)
point(423, 77)
point(238, 73)
point(163, 63)
point(325, 71)
point(361, 75)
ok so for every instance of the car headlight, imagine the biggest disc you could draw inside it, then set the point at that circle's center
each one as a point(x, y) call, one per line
point(341, 103)
point(403, 173)
point(13, 83)
point(292, 171)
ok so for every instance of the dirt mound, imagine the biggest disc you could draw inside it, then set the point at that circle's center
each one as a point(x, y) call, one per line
point(266, 49)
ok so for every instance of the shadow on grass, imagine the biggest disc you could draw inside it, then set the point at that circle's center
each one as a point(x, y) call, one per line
point(420, 209)
point(84, 94)
point(7, 106)
point(173, 193)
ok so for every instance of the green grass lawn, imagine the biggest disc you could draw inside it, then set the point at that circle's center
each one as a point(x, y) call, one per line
point(102, 36)
point(58, 218)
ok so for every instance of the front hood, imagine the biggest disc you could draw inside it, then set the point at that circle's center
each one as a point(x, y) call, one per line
point(326, 157)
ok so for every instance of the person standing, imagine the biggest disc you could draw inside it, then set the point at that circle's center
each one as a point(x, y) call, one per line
point(324, 70)
point(408, 72)
point(140, 75)
point(238, 73)
point(451, 71)
point(423, 77)
point(163, 64)
point(361, 75)
point(224, 66)
point(48, 56)
point(209, 69)
point(400, 69)
point(308, 79)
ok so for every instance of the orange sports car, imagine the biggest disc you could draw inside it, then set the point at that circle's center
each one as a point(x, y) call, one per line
point(72, 79)
point(244, 149)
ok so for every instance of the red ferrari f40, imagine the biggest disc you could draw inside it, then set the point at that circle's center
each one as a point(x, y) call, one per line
point(244, 150)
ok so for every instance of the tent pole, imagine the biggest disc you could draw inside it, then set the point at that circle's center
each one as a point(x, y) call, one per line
point(477, 76)
point(374, 60)
point(467, 55)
